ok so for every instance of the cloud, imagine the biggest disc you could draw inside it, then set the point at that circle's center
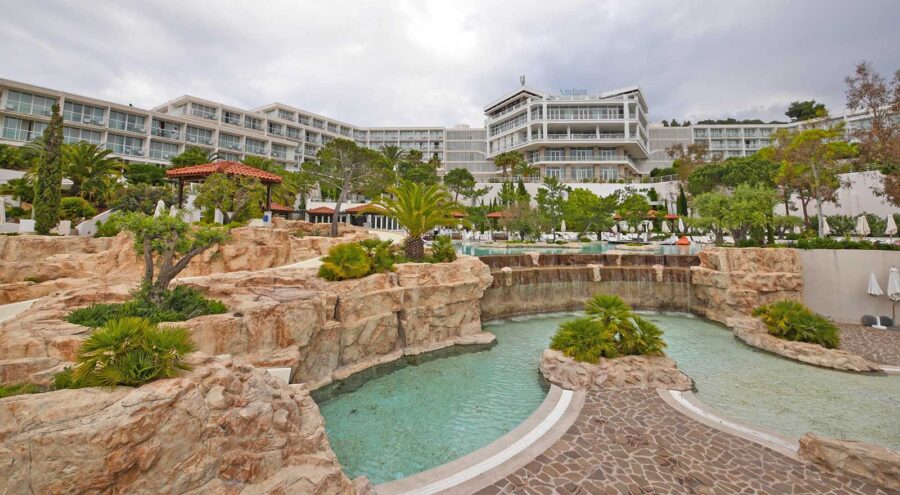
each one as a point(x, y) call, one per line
point(438, 63)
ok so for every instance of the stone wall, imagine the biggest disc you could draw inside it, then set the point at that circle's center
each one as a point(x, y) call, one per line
point(59, 263)
point(625, 371)
point(730, 282)
point(540, 283)
point(284, 317)
point(224, 427)
point(873, 463)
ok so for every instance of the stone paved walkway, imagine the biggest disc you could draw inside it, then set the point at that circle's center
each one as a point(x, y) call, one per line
point(881, 346)
point(629, 441)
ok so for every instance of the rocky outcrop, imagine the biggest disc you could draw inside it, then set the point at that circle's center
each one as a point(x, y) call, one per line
point(35, 266)
point(285, 317)
point(224, 427)
point(753, 332)
point(730, 282)
point(540, 283)
point(625, 371)
point(873, 463)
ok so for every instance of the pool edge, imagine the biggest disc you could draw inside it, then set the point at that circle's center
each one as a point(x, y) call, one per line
point(499, 458)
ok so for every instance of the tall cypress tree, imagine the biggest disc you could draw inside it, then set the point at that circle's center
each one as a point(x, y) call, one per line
point(47, 189)
point(682, 205)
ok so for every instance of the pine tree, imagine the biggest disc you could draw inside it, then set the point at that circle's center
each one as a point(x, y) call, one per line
point(47, 188)
point(682, 205)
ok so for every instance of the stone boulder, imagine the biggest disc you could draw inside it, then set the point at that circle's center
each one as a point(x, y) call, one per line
point(224, 428)
point(626, 371)
point(754, 333)
point(873, 463)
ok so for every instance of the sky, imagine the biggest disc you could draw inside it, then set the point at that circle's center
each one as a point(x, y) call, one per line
point(420, 62)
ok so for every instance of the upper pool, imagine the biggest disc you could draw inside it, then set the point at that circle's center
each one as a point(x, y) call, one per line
point(588, 247)
point(408, 417)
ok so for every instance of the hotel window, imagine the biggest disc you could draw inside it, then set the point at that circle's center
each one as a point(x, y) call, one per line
point(609, 173)
point(607, 154)
point(198, 135)
point(253, 123)
point(555, 172)
point(73, 135)
point(255, 146)
point(582, 154)
point(555, 154)
point(285, 115)
point(279, 151)
point(29, 103)
point(293, 133)
point(22, 130)
point(304, 119)
point(231, 157)
point(232, 118)
point(126, 121)
point(332, 128)
point(125, 145)
point(582, 173)
point(83, 114)
point(319, 123)
point(229, 142)
point(162, 151)
point(165, 129)
point(276, 128)
point(205, 111)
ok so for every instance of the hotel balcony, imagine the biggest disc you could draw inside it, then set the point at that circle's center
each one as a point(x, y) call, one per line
point(162, 155)
point(588, 158)
point(20, 135)
point(165, 133)
point(199, 139)
point(27, 108)
point(125, 150)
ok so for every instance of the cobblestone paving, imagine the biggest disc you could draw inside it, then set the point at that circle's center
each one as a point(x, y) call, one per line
point(881, 346)
point(629, 441)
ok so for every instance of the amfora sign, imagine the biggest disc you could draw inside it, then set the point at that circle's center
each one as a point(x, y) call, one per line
point(573, 92)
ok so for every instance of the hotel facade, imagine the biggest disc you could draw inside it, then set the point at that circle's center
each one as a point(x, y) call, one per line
point(573, 136)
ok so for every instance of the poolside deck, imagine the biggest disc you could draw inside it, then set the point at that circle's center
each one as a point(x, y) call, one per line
point(630, 441)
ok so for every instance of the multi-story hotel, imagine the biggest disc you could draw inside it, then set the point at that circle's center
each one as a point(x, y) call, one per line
point(574, 136)
point(286, 134)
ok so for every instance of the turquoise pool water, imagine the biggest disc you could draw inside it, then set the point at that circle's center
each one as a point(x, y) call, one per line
point(410, 417)
point(593, 247)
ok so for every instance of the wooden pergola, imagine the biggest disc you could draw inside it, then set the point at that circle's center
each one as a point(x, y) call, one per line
point(199, 173)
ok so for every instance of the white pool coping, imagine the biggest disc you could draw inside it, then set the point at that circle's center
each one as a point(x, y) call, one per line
point(501, 457)
point(688, 404)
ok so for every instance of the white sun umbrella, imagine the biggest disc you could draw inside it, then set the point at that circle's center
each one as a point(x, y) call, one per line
point(562, 226)
point(665, 228)
point(160, 208)
point(891, 228)
point(797, 229)
point(615, 229)
point(862, 226)
point(874, 290)
point(173, 211)
point(893, 291)
point(826, 230)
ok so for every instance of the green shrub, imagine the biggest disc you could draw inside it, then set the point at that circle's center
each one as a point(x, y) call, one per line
point(17, 212)
point(791, 320)
point(584, 239)
point(75, 208)
point(380, 255)
point(344, 262)
point(111, 227)
point(33, 280)
point(560, 241)
point(609, 330)
point(179, 304)
point(131, 351)
point(442, 250)
point(19, 389)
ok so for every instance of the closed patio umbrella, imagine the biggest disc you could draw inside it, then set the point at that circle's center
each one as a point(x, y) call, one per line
point(680, 226)
point(862, 226)
point(665, 228)
point(562, 227)
point(160, 208)
point(826, 228)
point(874, 290)
point(893, 291)
point(891, 228)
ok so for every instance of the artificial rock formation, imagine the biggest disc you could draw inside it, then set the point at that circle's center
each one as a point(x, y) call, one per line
point(284, 317)
point(753, 332)
point(223, 428)
point(731, 282)
point(867, 461)
point(35, 266)
point(625, 371)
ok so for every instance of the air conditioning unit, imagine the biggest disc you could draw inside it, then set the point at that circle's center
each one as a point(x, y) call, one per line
point(86, 120)
point(10, 106)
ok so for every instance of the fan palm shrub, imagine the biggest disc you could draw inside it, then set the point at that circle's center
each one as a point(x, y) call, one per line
point(791, 320)
point(442, 250)
point(610, 329)
point(380, 255)
point(91, 169)
point(344, 262)
point(131, 351)
point(419, 209)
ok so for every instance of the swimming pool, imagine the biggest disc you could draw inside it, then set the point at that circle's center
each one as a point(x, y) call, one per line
point(408, 417)
point(592, 247)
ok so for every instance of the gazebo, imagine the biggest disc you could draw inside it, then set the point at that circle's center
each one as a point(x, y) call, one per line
point(280, 209)
point(321, 214)
point(198, 173)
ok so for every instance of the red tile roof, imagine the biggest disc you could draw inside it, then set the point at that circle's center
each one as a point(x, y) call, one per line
point(223, 167)
point(459, 214)
point(280, 208)
point(321, 210)
point(367, 208)
point(671, 216)
point(499, 214)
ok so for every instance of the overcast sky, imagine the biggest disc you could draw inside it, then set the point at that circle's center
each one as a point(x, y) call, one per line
point(438, 63)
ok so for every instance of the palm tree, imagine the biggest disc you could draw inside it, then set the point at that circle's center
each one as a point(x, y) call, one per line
point(91, 169)
point(393, 155)
point(419, 209)
point(525, 169)
point(508, 160)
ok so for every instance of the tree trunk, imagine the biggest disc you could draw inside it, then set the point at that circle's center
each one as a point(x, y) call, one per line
point(818, 192)
point(415, 248)
point(337, 212)
point(148, 262)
